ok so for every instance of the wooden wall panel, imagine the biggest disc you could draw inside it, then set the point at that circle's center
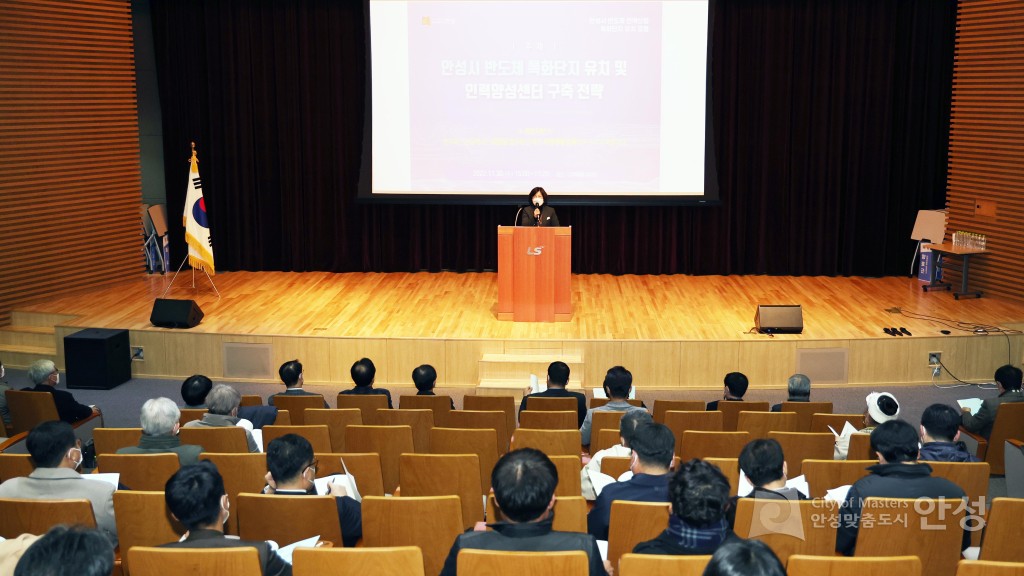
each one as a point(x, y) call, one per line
point(986, 146)
point(70, 187)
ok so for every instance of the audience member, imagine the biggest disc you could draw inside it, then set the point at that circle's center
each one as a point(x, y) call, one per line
point(291, 375)
point(897, 475)
point(1008, 381)
point(735, 387)
point(524, 484)
point(363, 373)
point(195, 388)
point(764, 464)
point(222, 405)
point(160, 422)
point(799, 387)
point(425, 378)
point(5, 414)
point(882, 407)
point(291, 470)
point(558, 379)
point(195, 497)
point(617, 384)
point(699, 494)
point(46, 377)
point(57, 455)
point(68, 551)
point(627, 425)
point(653, 450)
point(940, 436)
point(744, 558)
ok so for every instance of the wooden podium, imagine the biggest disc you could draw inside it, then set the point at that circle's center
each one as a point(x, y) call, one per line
point(534, 271)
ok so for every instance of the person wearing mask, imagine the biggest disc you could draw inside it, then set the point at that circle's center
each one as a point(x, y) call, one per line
point(538, 213)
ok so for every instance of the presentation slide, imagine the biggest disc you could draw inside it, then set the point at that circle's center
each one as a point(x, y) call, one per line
point(583, 97)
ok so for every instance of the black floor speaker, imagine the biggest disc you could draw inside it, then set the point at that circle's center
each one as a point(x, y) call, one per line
point(169, 313)
point(779, 319)
point(97, 358)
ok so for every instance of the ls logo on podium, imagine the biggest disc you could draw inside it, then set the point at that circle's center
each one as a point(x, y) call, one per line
point(534, 251)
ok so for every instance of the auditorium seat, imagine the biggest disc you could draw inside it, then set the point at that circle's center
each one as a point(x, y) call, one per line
point(149, 561)
point(821, 422)
point(973, 478)
point(430, 522)
point(824, 475)
point(548, 419)
point(110, 440)
point(483, 443)
point(286, 519)
point(472, 562)
point(15, 466)
point(296, 405)
point(364, 467)
point(932, 533)
point(552, 404)
point(679, 421)
point(390, 442)
point(570, 513)
point(731, 468)
point(368, 404)
point(213, 439)
point(550, 442)
point(604, 421)
point(143, 520)
point(140, 471)
point(805, 411)
point(789, 527)
point(336, 421)
point(445, 475)
point(420, 420)
point(241, 473)
point(631, 523)
point(803, 565)
point(390, 561)
point(759, 424)
point(1002, 535)
point(800, 446)
point(483, 420)
point(316, 434)
point(505, 404)
point(657, 565)
point(439, 405)
point(663, 406)
point(698, 444)
point(731, 411)
point(568, 467)
point(21, 516)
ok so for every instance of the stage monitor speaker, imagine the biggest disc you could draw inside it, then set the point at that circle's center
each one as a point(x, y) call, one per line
point(779, 319)
point(169, 313)
point(97, 358)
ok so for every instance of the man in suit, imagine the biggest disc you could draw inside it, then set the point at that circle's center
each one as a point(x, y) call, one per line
point(160, 422)
point(363, 374)
point(425, 379)
point(653, 447)
point(1008, 380)
point(196, 388)
point(57, 455)
point(291, 374)
point(291, 470)
point(735, 387)
point(222, 403)
point(617, 384)
point(196, 498)
point(44, 374)
point(558, 379)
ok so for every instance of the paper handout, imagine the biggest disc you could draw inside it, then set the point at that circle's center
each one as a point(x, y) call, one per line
point(973, 404)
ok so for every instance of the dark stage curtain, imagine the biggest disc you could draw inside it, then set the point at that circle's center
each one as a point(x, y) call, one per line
point(831, 120)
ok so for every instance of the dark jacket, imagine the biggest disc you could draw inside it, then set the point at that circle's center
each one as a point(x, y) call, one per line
point(270, 562)
point(547, 216)
point(526, 537)
point(294, 392)
point(713, 405)
point(890, 481)
point(187, 453)
point(778, 407)
point(639, 488)
point(946, 452)
point(68, 409)
point(581, 401)
point(369, 390)
point(665, 544)
point(981, 423)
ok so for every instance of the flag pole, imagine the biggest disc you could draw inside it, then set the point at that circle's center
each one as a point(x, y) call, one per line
point(195, 186)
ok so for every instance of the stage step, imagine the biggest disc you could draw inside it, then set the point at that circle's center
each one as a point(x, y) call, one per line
point(515, 388)
point(39, 336)
point(17, 356)
point(517, 367)
point(41, 319)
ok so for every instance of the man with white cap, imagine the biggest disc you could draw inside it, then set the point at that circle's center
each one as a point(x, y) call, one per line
point(881, 408)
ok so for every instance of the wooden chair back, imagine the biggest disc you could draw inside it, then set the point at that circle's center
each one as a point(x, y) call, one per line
point(241, 473)
point(800, 446)
point(731, 468)
point(1009, 424)
point(700, 445)
point(21, 516)
point(391, 561)
point(110, 440)
point(548, 419)
point(368, 404)
point(988, 568)
point(820, 422)
point(283, 418)
point(789, 527)
point(655, 565)
point(604, 421)
point(550, 442)
point(1014, 468)
point(190, 414)
point(1002, 534)
point(143, 520)
point(505, 404)
point(570, 513)
point(663, 406)
point(603, 439)
point(482, 420)
point(298, 404)
point(317, 435)
point(614, 466)
point(568, 466)
point(284, 518)
point(213, 439)
point(365, 468)
point(251, 400)
point(631, 523)
point(140, 471)
point(860, 448)
point(390, 442)
point(483, 443)
point(150, 561)
point(430, 522)
point(938, 548)
point(420, 420)
point(336, 421)
point(15, 466)
point(802, 565)
point(759, 424)
point(679, 421)
point(542, 404)
point(439, 405)
point(29, 408)
point(598, 402)
point(446, 475)
point(824, 475)
point(973, 478)
point(731, 409)
point(501, 563)
point(804, 412)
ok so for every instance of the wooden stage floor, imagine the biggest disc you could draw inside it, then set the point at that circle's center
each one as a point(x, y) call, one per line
point(672, 331)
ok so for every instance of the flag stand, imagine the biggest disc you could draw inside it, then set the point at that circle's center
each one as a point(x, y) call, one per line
point(182, 265)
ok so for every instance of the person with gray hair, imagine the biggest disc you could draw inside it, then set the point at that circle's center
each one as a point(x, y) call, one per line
point(46, 377)
point(160, 422)
point(222, 403)
point(799, 390)
point(627, 425)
